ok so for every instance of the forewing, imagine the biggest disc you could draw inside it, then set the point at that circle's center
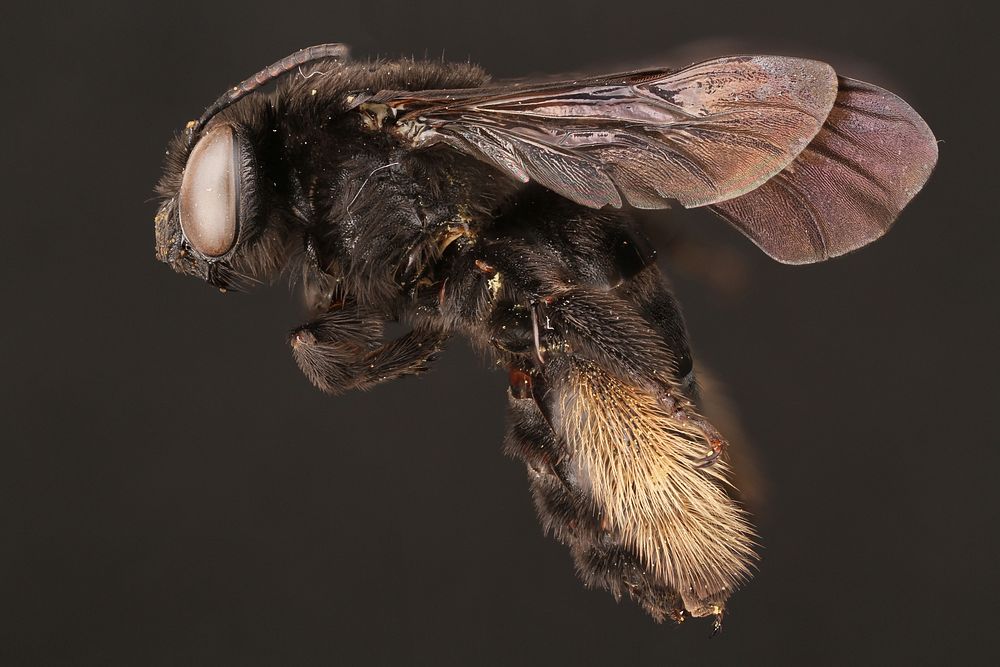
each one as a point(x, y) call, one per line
point(847, 187)
point(701, 135)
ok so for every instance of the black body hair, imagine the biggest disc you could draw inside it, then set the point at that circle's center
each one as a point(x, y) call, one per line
point(441, 241)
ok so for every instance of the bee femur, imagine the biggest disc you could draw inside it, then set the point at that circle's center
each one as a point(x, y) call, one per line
point(268, 74)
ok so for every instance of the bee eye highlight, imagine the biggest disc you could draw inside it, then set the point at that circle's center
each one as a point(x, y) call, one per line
point(209, 194)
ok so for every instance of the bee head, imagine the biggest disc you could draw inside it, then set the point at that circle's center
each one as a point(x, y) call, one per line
point(209, 223)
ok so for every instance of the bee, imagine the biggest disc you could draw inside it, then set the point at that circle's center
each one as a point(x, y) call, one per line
point(426, 194)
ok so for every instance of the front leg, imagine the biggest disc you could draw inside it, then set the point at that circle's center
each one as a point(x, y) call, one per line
point(342, 350)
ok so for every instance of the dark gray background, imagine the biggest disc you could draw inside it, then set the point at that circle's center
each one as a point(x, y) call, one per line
point(173, 492)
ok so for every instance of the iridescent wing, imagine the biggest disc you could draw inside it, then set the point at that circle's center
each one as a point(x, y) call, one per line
point(847, 187)
point(806, 165)
point(699, 136)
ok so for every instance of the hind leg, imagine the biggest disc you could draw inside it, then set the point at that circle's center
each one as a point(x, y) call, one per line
point(651, 295)
point(569, 515)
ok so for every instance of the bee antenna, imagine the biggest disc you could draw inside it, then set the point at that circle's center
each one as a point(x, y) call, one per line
point(268, 74)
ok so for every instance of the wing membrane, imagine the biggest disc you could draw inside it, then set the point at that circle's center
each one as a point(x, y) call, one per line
point(873, 154)
point(701, 135)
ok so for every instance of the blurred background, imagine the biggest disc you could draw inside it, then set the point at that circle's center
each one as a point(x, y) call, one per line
point(172, 491)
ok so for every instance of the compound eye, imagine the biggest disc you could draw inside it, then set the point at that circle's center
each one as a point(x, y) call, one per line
point(209, 195)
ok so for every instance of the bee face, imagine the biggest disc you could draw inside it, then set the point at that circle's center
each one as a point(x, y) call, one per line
point(208, 220)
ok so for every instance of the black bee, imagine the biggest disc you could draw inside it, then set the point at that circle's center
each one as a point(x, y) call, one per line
point(421, 192)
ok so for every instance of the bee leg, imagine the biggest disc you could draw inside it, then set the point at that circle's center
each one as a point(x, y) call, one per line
point(595, 323)
point(652, 297)
point(567, 512)
point(635, 333)
point(653, 300)
point(335, 368)
point(717, 622)
point(610, 331)
point(336, 359)
point(525, 384)
point(530, 437)
point(321, 292)
point(679, 408)
point(717, 444)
